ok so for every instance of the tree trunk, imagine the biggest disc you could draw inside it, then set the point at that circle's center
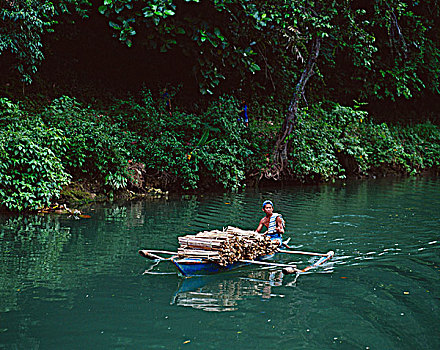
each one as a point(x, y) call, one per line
point(280, 150)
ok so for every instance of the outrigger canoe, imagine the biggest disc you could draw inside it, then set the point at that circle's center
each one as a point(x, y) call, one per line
point(197, 267)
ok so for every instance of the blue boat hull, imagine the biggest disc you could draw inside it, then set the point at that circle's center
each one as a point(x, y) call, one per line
point(197, 267)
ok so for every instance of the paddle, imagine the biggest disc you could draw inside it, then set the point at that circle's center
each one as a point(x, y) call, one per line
point(328, 256)
point(323, 259)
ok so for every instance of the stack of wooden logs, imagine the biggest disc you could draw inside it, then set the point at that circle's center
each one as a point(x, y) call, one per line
point(227, 246)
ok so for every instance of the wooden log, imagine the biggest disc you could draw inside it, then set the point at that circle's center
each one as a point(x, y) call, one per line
point(209, 245)
point(230, 245)
point(197, 252)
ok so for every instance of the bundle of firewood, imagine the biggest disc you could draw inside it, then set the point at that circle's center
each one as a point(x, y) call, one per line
point(227, 246)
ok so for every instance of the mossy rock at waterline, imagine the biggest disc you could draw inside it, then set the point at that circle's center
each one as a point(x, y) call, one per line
point(77, 193)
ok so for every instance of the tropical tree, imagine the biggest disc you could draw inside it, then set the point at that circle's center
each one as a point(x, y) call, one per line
point(23, 24)
point(215, 33)
point(345, 50)
point(387, 45)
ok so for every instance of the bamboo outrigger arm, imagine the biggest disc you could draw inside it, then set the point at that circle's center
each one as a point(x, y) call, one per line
point(151, 254)
point(301, 252)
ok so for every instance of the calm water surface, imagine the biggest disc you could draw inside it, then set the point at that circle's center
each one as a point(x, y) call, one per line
point(80, 284)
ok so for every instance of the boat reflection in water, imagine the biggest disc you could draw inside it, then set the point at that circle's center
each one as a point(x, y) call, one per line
point(222, 292)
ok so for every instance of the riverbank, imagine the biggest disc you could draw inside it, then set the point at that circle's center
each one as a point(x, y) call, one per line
point(132, 148)
point(79, 194)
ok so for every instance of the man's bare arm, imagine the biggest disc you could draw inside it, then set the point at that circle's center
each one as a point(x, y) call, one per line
point(280, 227)
point(260, 226)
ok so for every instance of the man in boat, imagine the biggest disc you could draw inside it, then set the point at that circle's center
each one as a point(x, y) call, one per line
point(273, 221)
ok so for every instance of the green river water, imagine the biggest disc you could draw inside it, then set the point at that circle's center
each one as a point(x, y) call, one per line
point(80, 284)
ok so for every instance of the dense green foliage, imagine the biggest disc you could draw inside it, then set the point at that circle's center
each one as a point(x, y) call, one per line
point(379, 49)
point(184, 147)
point(30, 172)
point(328, 144)
point(38, 151)
point(283, 57)
point(93, 146)
point(142, 140)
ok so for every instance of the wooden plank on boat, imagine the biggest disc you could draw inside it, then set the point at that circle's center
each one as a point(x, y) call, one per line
point(231, 245)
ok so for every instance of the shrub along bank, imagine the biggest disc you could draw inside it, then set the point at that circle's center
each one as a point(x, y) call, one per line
point(134, 144)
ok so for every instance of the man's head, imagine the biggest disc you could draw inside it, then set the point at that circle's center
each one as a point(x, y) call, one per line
point(268, 207)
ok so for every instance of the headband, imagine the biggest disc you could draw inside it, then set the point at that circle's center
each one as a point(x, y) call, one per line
point(267, 202)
